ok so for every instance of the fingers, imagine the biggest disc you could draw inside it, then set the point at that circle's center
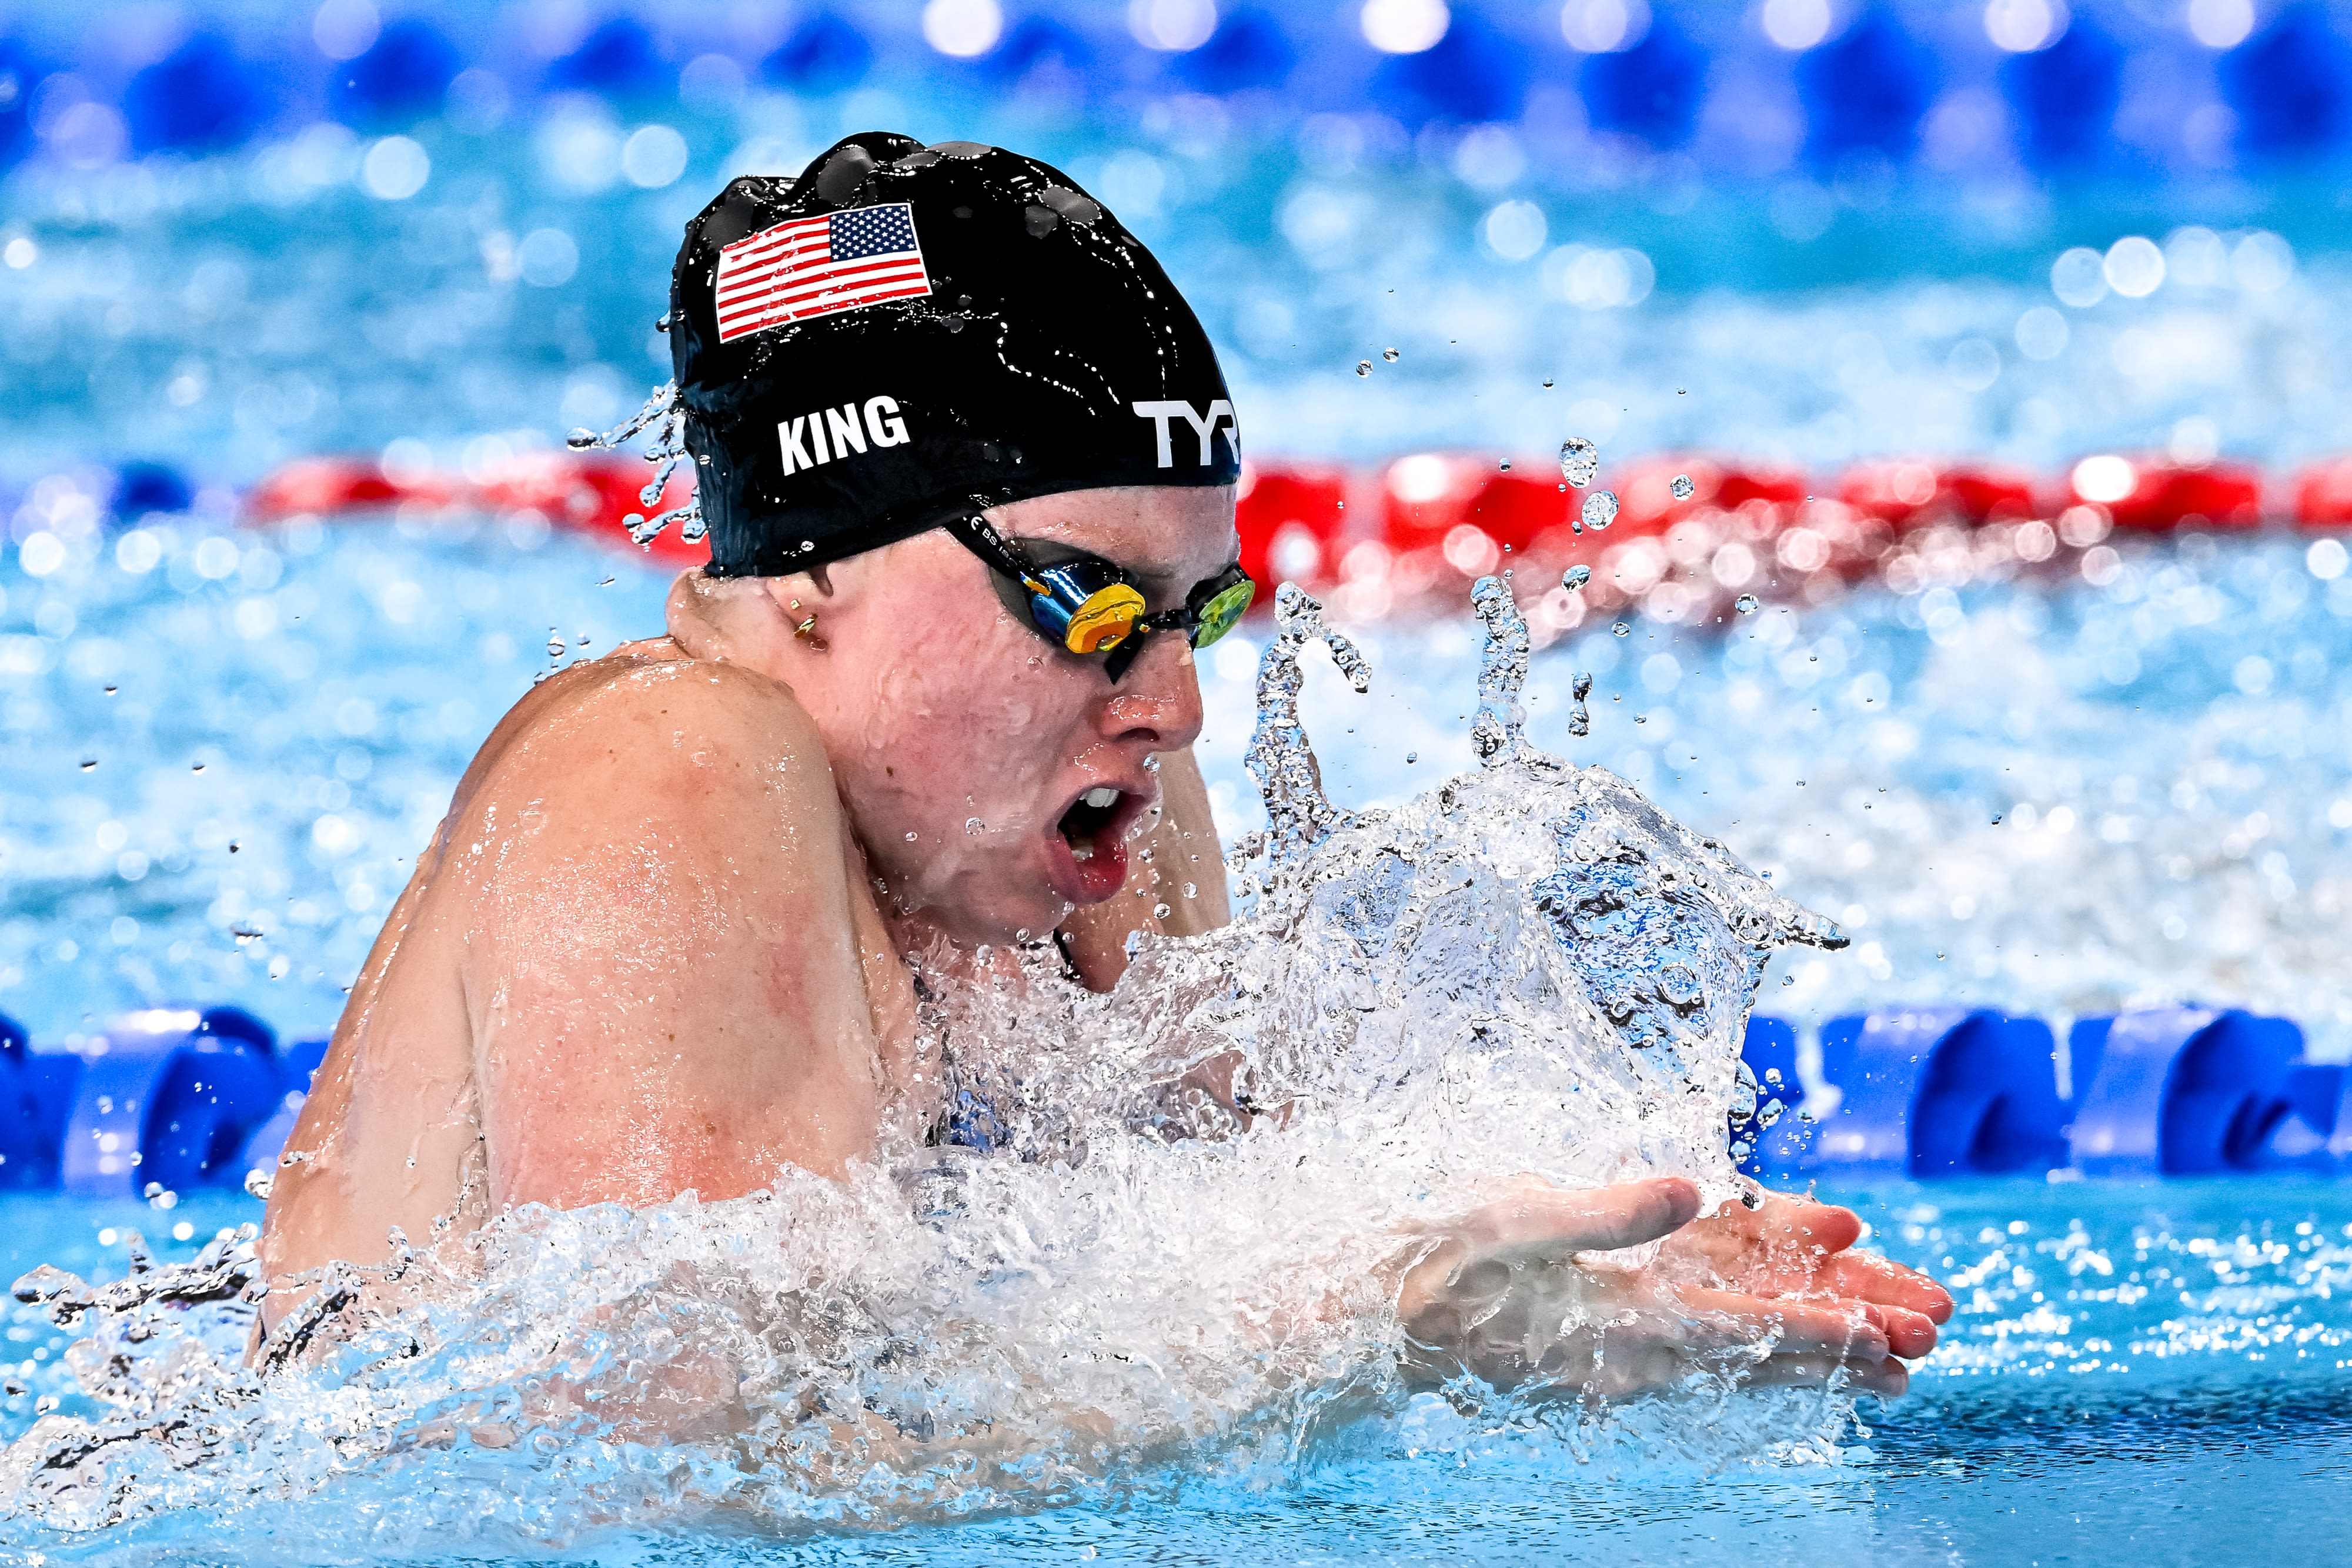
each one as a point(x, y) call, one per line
point(1870, 1278)
point(1910, 1335)
point(1792, 1217)
point(1727, 1319)
point(1545, 1221)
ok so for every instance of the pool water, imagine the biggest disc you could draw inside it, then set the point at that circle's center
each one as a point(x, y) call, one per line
point(2040, 794)
point(223, 747)
point(2149, 1374)
point(2139, 1375)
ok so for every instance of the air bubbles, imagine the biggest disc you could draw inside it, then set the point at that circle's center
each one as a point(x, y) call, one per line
point(1575, 577)
point(1747, 604)
point(1579, 461)
point(1681, 488)
point(1600, 509)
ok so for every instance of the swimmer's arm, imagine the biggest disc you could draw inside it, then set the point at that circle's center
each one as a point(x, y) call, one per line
point(1179, 851)
point(663, 980)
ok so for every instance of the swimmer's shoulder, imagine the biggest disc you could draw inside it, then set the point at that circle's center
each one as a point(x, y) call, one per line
point(647, 724)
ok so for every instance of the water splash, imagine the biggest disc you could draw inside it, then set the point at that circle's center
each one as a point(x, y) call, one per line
point(1279, 758)
point(1502, 672)
point(664, 415)
point(1528, 969)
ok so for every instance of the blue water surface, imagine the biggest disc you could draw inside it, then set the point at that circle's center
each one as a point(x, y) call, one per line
point(2135, 1375)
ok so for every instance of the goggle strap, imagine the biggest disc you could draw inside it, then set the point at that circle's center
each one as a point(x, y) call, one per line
point(983, 541)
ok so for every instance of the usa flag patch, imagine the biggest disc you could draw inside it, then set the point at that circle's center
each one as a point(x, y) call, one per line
point(814, 267)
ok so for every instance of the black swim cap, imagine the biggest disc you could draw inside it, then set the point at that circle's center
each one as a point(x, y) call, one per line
point(904, 331)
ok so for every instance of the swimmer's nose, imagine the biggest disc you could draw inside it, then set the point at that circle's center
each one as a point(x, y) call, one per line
point(1159, 702)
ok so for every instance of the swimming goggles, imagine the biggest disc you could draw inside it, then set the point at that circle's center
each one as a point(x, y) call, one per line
point(1087, 606)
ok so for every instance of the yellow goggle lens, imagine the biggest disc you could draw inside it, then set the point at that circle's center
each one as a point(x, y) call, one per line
point(1104, 621)
point(1219, 615)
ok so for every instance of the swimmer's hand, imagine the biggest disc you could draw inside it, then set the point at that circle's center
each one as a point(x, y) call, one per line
point(1534, 1288)
point(1792, 1247)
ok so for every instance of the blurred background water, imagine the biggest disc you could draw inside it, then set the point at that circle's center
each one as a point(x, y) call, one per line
point(1799, 228)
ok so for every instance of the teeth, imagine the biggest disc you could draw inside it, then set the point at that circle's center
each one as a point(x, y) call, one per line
point(1103, 798)
point(1085, 852)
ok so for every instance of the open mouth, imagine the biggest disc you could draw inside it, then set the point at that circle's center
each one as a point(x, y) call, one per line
point(1087, 824)
point(1088, 848)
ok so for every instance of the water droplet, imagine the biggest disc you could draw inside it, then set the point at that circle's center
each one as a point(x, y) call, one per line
point(1621, 630)
point(1788, 979)
point(1506, 468)
point(1600, 509)
point(89, 763)
point(1682, 486)
point(196, 767)
point(1363, 367)
point(1412, 757)
point(1575, 577)
point(1579, 460)
point(580, 438)
point(1580, 684)
point(807, 546)
point(112, 690)
point(1747, 604)
point(1995, 819)
point(1547, 384)
point(1390, 355)
point(974, 826)
point(1192, 889)
point(608, 582)
point(1161, 910)
point(556, 644)
point(910, 837)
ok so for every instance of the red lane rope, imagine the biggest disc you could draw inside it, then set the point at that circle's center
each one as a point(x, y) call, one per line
point(1410, 534)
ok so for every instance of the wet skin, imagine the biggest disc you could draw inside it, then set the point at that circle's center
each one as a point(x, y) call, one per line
point(659, 942)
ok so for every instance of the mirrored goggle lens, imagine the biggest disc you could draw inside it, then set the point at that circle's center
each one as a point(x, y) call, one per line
point(1224, 609)
point(1084, 607)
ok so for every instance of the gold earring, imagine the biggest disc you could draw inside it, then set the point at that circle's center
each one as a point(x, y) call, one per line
point(806, 632)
